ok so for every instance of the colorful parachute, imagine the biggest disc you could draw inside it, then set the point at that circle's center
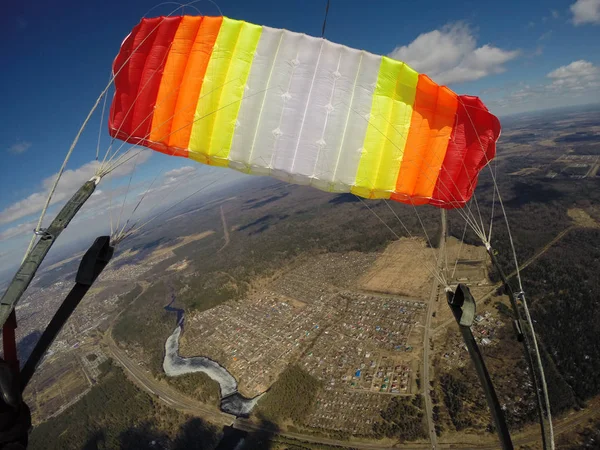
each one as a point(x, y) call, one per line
point(273, 102)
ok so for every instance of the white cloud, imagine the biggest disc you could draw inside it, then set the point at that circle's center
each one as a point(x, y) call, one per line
point(578, 76)
point(19, 147)
point(555, 14)
point(581, 68)
point(451, 55)
point(182, 171)
point(17, 230)
point(574, 84)
point(586, 11)
point(70, 181)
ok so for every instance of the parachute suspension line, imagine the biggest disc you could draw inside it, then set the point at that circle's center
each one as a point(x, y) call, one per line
point(121, 159)
point(181, 6)
point(521, 296)
point(101, 120)
point(136, 229)
point(479, 213)
point(474, 198)
point(66, 160)
point(62, 169)
point(526, 344)
point(473, 221)
point(512, 244)
point(541, 367)
point(437, 261)
point(433, 272)
point(442, 277)
point(119, 164)
point(468, 215)
point(124, 227)
point(462, 241)
point(124, 230)
point(136, 206)
point(110, 196)
point(493, 202)
point(185, 108)
point(133, 103)
point(127, 190)
point(325, 20)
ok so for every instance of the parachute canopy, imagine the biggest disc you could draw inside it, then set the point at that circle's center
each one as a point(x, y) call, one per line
point(273, 102)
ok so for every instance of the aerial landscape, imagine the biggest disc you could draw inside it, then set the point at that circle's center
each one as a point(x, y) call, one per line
point(324, 326)
point(282, 230)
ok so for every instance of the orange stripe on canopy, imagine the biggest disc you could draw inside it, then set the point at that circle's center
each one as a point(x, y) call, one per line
point(168, 92)
point(431, 124)
point(191, 83)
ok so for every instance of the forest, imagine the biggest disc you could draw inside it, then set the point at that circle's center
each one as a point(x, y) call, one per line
point(291, 397)
point(115, 414)
point(402, 420)
point(146, 324)
point(563, 286)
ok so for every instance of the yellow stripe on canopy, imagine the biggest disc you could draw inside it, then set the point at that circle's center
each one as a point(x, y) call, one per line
point(222, 92)
point(389, 123)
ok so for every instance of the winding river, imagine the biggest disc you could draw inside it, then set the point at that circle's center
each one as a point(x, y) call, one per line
point(232, 402)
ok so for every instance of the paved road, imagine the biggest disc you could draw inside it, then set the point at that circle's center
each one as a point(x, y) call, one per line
point(426, 346)
point(164, 392)
point(246, 425)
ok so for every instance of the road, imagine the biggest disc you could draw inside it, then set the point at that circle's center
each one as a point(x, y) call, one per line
point(246, 425)
point(164, 392)
point(425, 382)
point(148, 383)
point(225, 230)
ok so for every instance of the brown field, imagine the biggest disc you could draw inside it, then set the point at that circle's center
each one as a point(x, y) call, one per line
point(395, 271)
point(582, 218)
point(179, 266)
point(167, 250)
point(52, 389)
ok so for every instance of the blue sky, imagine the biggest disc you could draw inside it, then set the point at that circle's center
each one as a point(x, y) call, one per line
point(56, 58)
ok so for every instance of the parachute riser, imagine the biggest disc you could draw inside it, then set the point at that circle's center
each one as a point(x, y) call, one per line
point(510, 293)
point(30, 265)
point(462, 304)
point(521, 337)
point(92, 264)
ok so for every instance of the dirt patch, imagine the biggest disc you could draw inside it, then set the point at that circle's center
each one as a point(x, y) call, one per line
point(402, 269)
point(466, 263)
point(167, 251)
point(179, 266)
point(582, 218)
point(525, 171)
